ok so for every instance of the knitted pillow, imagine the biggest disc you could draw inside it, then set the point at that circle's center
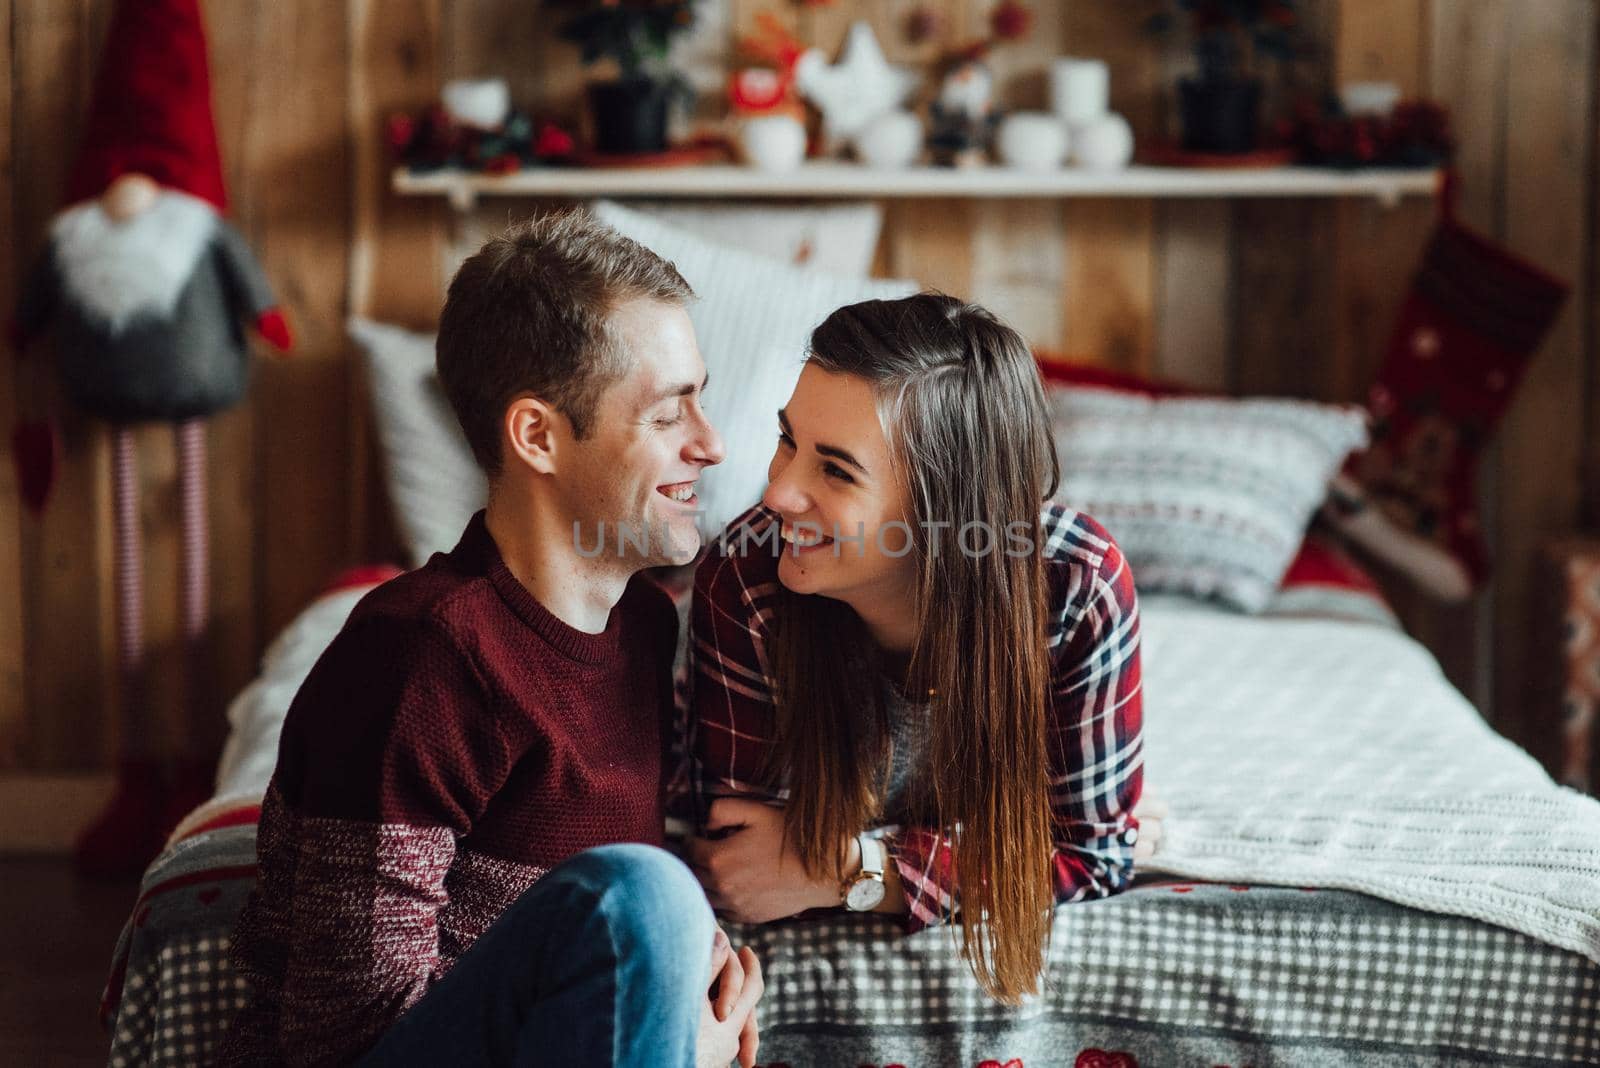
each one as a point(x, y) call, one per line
point(753, 317)
point(1206, 496)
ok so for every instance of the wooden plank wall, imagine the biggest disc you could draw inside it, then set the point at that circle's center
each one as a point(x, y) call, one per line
point(279, 464)
point(1255, 296)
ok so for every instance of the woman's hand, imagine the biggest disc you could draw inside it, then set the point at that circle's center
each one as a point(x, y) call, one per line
point(1150, 811)
point(752, 875)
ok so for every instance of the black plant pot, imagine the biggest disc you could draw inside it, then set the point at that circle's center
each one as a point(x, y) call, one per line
point(1220, 116)
point(630, 116)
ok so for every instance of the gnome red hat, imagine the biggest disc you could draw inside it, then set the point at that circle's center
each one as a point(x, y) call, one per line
point(151, 112)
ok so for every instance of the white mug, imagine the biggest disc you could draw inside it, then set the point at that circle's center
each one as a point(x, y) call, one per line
point(1369, 98)
point(1080, 89)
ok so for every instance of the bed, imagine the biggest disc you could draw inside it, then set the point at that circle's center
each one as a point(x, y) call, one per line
point(1178, 970)
point(1356, 870)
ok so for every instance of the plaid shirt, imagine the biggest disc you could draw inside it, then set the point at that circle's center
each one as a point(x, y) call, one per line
point(1095, 708)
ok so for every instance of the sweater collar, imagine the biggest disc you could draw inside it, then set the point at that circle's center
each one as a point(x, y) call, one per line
point(478, 550)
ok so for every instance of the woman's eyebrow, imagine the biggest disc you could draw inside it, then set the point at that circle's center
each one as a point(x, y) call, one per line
point(831, 451)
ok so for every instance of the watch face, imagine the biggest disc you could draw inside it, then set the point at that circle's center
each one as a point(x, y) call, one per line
point(865, 895)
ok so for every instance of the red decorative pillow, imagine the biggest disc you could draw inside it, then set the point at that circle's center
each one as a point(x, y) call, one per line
point(1069, 372)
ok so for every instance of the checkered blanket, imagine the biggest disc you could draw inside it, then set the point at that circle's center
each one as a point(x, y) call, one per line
point(1168, 973)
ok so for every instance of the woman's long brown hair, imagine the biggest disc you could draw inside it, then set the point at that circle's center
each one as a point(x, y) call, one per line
point(964, 413)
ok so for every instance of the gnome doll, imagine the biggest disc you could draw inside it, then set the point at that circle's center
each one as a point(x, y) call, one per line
point(146, 291)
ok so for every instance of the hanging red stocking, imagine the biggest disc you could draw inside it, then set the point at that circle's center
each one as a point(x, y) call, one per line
point(1473, 318)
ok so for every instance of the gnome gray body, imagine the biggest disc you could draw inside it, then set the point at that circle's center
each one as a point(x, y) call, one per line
point(148, 330)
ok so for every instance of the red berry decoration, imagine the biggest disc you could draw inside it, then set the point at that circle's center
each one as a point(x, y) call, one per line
point(1011, 20)
point(553, 142)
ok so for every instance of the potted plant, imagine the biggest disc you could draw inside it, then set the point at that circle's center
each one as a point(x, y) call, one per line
point(630, 111)
point(1220, 106)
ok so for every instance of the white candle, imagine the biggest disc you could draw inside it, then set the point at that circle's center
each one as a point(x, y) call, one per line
point(1080, 89)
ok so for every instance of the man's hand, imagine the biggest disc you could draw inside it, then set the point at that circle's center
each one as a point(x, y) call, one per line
point(1150, 811)
point(728, 1025)
point(752, 875)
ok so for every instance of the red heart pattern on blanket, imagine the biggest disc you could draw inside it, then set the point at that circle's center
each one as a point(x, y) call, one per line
point(1100, 1058)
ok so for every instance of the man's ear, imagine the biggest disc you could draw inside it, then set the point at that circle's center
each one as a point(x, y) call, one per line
point(532, 432)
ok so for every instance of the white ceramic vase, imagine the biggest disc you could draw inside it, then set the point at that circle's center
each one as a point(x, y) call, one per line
point(1103, 144)
point(1032, 141)
point(483, 103)
point(891, 141)
point(773, 142)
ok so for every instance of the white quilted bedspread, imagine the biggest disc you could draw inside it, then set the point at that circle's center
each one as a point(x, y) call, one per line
point(1328, 754)
point(1295, 752)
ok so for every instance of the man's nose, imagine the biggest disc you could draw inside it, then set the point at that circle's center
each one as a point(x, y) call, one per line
point(707, 448)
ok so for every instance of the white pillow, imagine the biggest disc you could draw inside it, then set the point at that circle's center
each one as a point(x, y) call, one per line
point(753, 319)
point(1205, 496)
point(434, 483)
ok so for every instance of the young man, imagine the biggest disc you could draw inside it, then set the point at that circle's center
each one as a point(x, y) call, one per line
point(441, 879)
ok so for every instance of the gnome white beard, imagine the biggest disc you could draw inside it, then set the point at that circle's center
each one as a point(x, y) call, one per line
point(115, 272)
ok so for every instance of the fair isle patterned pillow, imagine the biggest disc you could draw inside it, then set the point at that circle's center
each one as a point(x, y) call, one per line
point(1208, 497)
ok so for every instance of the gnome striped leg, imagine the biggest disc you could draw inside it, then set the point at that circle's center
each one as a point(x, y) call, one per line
point(196, 560)
point(199, 726)
point(128, 547)
point(127, 833)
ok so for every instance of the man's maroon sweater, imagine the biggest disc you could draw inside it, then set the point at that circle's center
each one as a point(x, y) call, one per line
point(454, 743)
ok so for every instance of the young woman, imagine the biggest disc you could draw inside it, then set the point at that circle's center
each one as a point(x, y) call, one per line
point(904, 638)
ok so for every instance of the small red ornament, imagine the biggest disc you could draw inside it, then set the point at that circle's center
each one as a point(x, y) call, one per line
point(400, 129)
point(1011, 20)
point(553, 142)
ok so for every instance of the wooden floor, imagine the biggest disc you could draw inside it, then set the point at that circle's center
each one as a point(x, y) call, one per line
point(56, 938)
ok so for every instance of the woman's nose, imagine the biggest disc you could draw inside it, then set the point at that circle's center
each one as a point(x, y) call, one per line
point(784, 496)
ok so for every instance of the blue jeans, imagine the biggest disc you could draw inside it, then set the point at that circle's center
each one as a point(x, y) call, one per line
point(603, 961)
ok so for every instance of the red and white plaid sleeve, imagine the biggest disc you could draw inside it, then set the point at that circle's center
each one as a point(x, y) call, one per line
point(731, 723)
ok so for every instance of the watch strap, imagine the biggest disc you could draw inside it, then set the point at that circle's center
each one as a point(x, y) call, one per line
point(874, 856)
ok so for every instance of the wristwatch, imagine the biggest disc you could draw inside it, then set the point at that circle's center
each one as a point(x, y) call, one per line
point(864, 891)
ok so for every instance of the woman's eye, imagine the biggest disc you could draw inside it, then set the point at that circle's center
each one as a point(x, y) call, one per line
point(785, 439)
point(835, 471)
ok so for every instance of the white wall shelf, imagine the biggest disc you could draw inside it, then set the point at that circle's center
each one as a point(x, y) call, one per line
point(824, 180)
